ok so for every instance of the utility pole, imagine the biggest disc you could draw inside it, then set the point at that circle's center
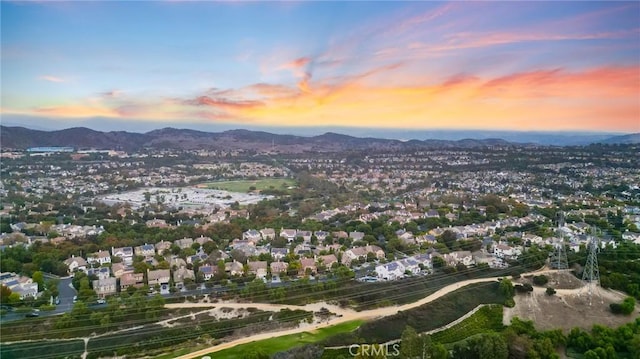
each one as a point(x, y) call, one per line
point(560, 254)
point(591, 273)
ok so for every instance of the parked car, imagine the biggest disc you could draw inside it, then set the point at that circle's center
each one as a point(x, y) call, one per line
point(75, 298)
point(101, 301)
point(32, 315)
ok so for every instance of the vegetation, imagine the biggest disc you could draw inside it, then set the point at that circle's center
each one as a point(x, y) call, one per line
point(426, 317)
point(43, 349)
point(626, 307)
point(261, 184)
point(279, 344)
point(486, 319)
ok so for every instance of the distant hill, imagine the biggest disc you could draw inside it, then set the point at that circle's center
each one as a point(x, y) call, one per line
point(633, 138)
point(172, 138)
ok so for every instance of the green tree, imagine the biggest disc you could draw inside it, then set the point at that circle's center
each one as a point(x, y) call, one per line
point(410, 343)
point(38, 277)
point(438, 351)
point(506, 288)
point(492, 346)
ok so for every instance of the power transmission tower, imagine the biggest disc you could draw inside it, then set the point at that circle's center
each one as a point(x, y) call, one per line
point(560, 254)
point(591, 273)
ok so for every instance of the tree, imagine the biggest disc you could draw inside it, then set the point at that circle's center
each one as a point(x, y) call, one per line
point(410, 343)
point(438, 351)
point(438, 262)
point(540, 280)
point(506, 288)
point(38, 277)
point(492, 346)
point(5, 292)
point(551, 291)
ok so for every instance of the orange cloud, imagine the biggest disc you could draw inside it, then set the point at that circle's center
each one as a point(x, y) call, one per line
point(604, 98)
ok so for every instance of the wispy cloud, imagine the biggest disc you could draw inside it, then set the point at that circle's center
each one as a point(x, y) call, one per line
point(51, 78)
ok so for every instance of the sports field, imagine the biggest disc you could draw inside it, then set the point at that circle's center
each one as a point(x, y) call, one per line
point(274, 345)
point(249, 185)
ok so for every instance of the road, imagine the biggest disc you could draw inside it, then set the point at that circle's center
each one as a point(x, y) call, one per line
point(345, 315)
point(66, 294)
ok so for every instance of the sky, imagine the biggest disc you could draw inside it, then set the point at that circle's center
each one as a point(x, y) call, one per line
point(525, 66)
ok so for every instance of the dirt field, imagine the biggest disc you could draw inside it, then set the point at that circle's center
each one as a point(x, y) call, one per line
point(570, 307)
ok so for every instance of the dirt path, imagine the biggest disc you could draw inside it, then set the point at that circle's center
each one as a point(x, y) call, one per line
point(346, 315)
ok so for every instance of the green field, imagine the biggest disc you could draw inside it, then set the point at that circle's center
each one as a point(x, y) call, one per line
point(274, 345)
point(246, 185)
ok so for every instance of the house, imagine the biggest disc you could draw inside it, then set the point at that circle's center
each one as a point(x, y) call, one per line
point(157, 223)
point(356, 236)
point(252, 236)
point(340, 235)
point(279, 253)
point(105, 287)
point(305, 235)
point(180, 274)
point(411, 265)
point(202, 240)
point(207, 271)
point(289, 234)
point(163, 246)
point(234, 268)
point(321, 235)
point(328, 260)
point(390, 271)
point(101, 257)
point(145, 250)
point(361, 253)
point(432, 213)
point(277, 268)
point(75, 264)
point(259, 268)
point(100, 273)
point(26, 290)
point(202, 257)
point(504, 252)
point(307, 263)
point(407, 238)
point(456, 257)
point(126, 253)
point(131, 280)
point(159, 277)
point(268, 234)
point(184, 243)
point(118, 269)
point(424, 259)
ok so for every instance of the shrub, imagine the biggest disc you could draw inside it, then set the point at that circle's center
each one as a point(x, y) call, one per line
point(47, 307)
point(551, 291)
point(540, 280)
point(626, 307)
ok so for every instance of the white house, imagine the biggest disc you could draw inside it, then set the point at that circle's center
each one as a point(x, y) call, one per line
point(75, 264)
point(390, 271)
point(101, 257)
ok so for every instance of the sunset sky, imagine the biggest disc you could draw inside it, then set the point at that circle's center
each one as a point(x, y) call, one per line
point(530, 66)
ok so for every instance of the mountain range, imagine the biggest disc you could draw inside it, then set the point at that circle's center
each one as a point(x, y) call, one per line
point(171, 138)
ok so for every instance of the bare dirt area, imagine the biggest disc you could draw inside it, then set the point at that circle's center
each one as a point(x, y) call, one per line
point(567, 309)
point(557, 280)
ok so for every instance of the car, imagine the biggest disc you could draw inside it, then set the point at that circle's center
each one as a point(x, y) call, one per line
point(32, 315)
point(57, 301)
point(75, 298)
point(101, 301)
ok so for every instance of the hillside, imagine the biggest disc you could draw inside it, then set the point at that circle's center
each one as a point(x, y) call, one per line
point(172, 138)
